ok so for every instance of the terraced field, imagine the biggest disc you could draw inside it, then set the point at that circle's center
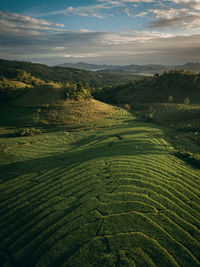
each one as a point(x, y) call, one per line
point(183, 117)
point(104, 197)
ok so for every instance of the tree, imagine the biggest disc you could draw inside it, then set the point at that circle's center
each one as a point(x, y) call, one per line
point(78, 92)
point(170, 99)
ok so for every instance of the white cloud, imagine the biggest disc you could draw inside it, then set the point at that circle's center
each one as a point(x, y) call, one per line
point(168, 13)
point(127, 12)
point(18, 24)
point(59, 48)
point(92, 10)
point(175, 18)
point(141, 14)
point(85, 30)
point(134, 37)
point(84, 55)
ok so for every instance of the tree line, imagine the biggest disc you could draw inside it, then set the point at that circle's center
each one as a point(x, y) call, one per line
point(179, 85)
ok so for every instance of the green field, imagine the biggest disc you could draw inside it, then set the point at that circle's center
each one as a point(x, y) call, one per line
point(113, 194)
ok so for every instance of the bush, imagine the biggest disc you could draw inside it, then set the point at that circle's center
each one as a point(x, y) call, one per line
point(192, 158)
point(27, 132)
point(170, 99)
point(187, 101)
point(127, 107)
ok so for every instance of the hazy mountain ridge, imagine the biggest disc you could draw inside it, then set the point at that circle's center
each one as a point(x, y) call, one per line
point(10, 70)
point(147, 68)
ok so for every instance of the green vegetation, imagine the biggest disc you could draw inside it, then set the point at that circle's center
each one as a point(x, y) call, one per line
point(192, 158)
point(172, 86)
point(27, 132)
point(85, 183)
point(78, 92)
point(183, 117)
point(103, 197)
point(13, 70)
point(10, 89)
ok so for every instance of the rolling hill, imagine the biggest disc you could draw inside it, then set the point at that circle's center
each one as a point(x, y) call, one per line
point(115, 196)
point(10, 70)
point(178, 84)
point(92, 184)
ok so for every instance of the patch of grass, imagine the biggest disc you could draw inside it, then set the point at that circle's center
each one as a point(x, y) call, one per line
point(18, 116)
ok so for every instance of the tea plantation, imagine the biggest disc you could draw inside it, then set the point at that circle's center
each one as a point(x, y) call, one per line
point(112, 194)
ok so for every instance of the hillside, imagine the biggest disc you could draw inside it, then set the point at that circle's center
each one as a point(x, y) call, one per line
point(114, 196)
point(10, 70)
point(41, 95)
point(176, 84)
point(86, 183)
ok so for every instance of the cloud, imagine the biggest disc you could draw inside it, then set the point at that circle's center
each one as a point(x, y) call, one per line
point(101, 47)
point(134, 37)
point(126, 1)
point(92, 10)
point(173, 14)
point(141, 14)
point(147, 1)
point(85, 30)
point(95, 10)
point(84, 55)
point(175, 18)
point(18, 24)
point(40, 40)
point(59, 48)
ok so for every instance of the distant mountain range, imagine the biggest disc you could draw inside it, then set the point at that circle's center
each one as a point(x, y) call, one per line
point(10, 70)
point(136, 69)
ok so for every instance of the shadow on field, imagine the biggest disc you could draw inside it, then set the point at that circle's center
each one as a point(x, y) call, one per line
point(121, 134)
point(110, 145)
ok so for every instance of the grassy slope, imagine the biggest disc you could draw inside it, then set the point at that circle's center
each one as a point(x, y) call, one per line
point(109, 197)
point(65, 114)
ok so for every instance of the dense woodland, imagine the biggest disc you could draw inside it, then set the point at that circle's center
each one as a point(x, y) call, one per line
point(171, 86)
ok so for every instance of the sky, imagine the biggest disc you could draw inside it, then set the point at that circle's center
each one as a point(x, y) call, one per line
point(119, 32)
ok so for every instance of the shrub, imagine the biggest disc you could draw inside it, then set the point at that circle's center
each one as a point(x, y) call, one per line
point(192, 158)
point(170, 99)
point(127, 107)
point(187, 101)
point(27, 132)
